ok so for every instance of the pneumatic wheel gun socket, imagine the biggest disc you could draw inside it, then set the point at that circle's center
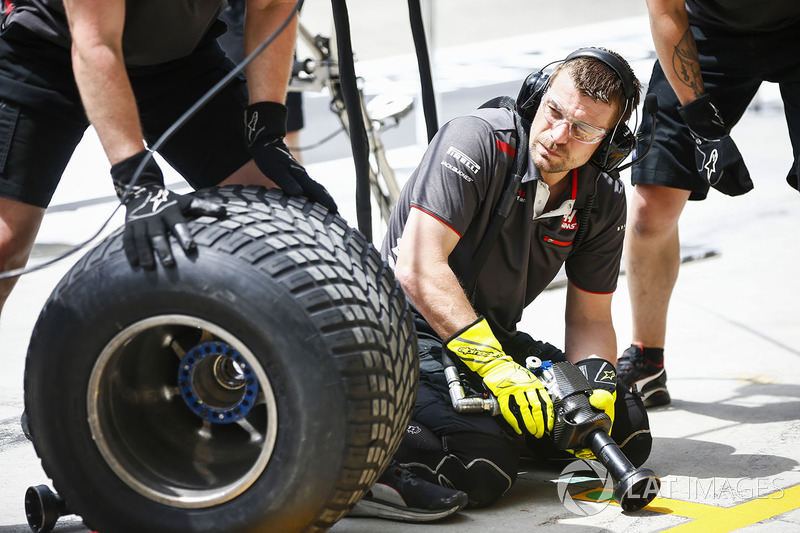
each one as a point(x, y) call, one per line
point(43, 507)
point(579, 425)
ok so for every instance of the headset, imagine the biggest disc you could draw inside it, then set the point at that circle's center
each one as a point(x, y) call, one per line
point(614, 148)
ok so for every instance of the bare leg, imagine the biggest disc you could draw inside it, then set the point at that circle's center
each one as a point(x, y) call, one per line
point(292, 140)
point(19, 224)
point(652, 249)
point(249, 174)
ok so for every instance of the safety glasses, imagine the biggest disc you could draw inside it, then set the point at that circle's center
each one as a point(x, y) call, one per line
point(580, 131)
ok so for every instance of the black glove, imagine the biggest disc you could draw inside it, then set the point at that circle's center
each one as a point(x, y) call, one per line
point(522, 345)
point(718, 159)
point(153, 211)
point(265, 127)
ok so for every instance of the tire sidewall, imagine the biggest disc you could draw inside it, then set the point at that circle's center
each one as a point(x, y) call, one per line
point(311, 403)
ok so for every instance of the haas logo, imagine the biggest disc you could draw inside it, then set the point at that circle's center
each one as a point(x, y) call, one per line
point(569, 221)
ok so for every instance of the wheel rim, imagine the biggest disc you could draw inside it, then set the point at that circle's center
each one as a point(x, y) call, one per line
point(158, 441)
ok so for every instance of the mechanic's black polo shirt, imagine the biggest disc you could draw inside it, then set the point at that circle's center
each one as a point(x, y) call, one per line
point(744, 15)
point(460, 180)
point(156, 31)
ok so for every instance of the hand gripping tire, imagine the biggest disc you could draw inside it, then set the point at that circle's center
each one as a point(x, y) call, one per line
point(262, 384)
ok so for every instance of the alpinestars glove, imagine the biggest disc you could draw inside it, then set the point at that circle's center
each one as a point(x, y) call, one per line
point(602, 376)
point(718, 160)
point(265, 128)
point(524, 402)
point(152, 212)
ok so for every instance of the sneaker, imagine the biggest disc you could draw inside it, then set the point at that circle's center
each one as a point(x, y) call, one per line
point(400, 495)
point(635, 370)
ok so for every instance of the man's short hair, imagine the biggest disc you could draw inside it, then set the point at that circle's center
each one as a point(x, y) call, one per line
point(595, 79)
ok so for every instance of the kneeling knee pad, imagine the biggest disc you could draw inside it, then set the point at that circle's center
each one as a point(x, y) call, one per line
point(483, 466)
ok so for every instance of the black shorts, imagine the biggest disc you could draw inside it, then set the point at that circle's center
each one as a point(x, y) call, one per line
point(42, 118)
point(294, 119)
point(733, 67)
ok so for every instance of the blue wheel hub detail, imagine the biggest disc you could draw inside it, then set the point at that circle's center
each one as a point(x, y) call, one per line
point(216, 382)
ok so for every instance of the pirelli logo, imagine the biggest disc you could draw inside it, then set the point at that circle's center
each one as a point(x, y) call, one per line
point(464, 159)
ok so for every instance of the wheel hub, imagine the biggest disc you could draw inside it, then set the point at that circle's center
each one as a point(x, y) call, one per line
point(216, 383)
point(194, 457)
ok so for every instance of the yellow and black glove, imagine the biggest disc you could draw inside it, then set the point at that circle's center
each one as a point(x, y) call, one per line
point(602, 376)
point(523, 400)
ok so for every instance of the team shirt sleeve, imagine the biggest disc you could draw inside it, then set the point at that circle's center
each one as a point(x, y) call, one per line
point(454, 172)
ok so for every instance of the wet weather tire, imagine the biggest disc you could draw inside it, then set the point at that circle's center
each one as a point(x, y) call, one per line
point(260, 385)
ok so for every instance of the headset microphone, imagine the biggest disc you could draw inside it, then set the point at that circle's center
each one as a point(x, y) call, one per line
point(651, 105)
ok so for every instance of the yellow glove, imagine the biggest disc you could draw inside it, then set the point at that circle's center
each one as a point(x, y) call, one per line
point(602, 400)
point(602, 376)
point(523, 400)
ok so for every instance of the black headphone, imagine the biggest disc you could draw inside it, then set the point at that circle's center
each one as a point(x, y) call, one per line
point(613, 149)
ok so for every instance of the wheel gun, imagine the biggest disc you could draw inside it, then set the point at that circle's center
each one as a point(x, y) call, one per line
point(577, 425)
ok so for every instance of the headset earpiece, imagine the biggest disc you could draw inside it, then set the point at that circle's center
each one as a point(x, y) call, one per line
point(531, 93)
point(611, 152)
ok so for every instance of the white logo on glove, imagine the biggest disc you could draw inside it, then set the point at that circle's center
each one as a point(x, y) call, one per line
point(711, 164)
point(162, 197)
point(251, 126)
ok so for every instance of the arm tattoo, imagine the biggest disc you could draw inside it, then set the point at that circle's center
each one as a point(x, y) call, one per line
point(686, 65)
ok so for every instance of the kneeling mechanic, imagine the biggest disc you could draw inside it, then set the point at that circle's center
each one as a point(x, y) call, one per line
point(469, 306)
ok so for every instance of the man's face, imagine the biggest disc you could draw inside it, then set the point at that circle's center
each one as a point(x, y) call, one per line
point(554, 150)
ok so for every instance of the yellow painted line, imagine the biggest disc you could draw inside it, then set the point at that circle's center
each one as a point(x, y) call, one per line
point(745, 514)
point(712, 518)
point(658, 505)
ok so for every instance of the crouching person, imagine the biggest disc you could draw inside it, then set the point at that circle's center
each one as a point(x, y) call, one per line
point(468, 304)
